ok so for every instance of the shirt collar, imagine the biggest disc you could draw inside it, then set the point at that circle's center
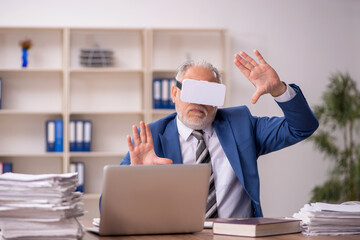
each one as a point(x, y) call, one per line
point(185, 131)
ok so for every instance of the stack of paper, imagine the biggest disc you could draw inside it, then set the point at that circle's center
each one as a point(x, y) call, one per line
point(330, 219)
point(40, 206)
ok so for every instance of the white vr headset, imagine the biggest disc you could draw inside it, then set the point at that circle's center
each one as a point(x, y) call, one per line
point(202, 92)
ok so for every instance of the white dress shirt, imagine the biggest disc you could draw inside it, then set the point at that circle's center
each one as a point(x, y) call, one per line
point(231, 198)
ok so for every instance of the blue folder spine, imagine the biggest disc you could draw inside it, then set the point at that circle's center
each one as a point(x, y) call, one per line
point(79, 167)
point(79, 142)
point(87, 135)
point(72, 135)
point(5, 167)
point(172, 83)
point(157, 93)
point(162, 96)
point(165, 93)
point(58, 135)
point(50, 136)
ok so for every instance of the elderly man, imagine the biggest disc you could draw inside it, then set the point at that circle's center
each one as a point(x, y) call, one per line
point(230, 138)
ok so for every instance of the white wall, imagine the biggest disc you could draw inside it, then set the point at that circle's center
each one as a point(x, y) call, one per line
point(304, 40)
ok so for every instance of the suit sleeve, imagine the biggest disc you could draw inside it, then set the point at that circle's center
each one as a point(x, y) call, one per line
point(126, 159)
point(298, 123)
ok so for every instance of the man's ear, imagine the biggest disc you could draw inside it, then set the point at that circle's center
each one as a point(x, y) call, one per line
point(173, 93)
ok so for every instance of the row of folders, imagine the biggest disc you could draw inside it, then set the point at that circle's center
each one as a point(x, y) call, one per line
point(162, 98)
point(79, 135)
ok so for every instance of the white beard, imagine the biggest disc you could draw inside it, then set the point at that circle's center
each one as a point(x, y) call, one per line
point(201, 123)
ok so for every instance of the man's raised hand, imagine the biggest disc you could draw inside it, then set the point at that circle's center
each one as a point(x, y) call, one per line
point(261, 75)
point(142, 151)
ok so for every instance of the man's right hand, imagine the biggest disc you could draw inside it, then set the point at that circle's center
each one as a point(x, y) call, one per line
point(142, 151)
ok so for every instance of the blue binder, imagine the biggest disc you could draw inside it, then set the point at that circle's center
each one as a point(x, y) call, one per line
point(165, 94)
point(79, 137)
point(5, 167)
point(87, 135)
point(0, 91)
point(58, 135)
point(172, 83)
point(50, 136)
point(79, 167)
point(72, 135)
point(157, 93)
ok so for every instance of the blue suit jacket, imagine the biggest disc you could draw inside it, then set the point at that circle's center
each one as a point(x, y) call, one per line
point(244, 138)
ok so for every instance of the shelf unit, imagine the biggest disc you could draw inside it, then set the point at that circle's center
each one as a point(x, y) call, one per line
point(56, 86)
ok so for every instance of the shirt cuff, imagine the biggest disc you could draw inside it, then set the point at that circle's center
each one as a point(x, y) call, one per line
point(287, 95)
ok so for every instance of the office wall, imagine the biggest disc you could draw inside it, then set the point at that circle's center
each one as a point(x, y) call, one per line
point(304, 40)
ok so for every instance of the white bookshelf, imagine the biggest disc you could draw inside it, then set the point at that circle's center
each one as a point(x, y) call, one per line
point(56, 86)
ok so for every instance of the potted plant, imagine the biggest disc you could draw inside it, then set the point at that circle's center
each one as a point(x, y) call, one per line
point(338, 138)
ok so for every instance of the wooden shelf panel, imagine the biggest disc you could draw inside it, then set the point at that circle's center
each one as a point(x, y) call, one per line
point(46, 52)
point(110, 92)
point(32, 91)
point(105, 70)
point(32, 155)
point(184, 44)
point(141, 112)
point(31, 70)
point(96, 154)
point(127, 46)
point(34, 163)
point(28, 112)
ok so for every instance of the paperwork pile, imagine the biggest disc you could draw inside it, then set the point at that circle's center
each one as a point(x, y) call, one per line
point(40, 206)
point(329, 219)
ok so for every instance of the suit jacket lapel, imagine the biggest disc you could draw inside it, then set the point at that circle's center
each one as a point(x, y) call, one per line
point(170, 142)
point(226, 137)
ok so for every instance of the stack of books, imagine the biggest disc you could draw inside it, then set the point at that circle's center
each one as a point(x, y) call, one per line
point(40, 206)
point(256, 227)
point(330, 219)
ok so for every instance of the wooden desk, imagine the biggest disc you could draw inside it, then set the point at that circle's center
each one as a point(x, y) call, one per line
point(207, 235)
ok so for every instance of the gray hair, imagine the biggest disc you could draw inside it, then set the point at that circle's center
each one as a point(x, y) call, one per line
point(190, 63)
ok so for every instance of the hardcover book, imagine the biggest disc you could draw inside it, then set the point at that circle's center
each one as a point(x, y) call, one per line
point(256, 227)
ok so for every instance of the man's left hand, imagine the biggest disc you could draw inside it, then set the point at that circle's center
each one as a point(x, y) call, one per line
point(261, 75)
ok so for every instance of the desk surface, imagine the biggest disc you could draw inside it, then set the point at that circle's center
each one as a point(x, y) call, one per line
point(207, 234)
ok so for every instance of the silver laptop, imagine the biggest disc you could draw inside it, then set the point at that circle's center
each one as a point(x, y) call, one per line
point(154, 199)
